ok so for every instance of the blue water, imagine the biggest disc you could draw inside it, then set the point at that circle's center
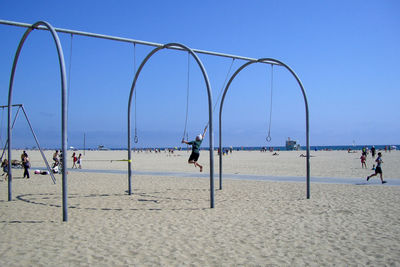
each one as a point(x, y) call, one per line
point(282, 148)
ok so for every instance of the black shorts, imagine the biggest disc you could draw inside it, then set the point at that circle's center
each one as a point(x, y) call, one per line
point(378, 170)
point(194, 157)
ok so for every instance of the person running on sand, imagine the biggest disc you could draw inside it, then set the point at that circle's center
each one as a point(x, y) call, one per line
point(378, 168)
point(196, 149)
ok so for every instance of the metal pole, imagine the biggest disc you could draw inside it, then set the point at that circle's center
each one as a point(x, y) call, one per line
point(220, 116)
point(137, 72)
point(210, 110)
point(9, 135)
point(15, 119)
point(128, 40)
point(63, 109)
point(40, 149)
point(15, 105)
point(303, 91)
point(267, 60)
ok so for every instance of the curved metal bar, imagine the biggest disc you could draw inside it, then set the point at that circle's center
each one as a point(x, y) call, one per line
point(210, 111)
point(63, 109)
point(264, 60)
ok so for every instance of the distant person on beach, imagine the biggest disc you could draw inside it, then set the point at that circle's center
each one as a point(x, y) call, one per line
point(23, 155)
point(74, 160)
point(304, 156)
point(4, 165)
point(363, 159)
point(26, 164)
point(364, 151)
point(373, 151)
point(378, 168)
point(79, 161)
point(196, 149)
point(55, 158)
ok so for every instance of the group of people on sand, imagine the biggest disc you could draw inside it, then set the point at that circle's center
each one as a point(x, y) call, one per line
point(57, 161)
point(378, 161)
point(76, 160)
point(25, 163)
point(194, 156)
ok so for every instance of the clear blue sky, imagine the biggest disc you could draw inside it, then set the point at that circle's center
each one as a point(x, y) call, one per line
point(345, 52)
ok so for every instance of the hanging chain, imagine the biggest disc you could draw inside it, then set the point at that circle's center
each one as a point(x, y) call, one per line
point(223, 87)
point(187, 95)
point(270, 108)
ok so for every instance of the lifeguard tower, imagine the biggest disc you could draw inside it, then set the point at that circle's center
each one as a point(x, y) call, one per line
point(292, 145)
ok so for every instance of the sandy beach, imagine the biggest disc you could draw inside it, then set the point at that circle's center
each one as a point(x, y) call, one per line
point(167, 221)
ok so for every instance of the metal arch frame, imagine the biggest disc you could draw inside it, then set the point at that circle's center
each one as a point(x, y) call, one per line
point(210, 113)
point(267, 60)
point(63, 109)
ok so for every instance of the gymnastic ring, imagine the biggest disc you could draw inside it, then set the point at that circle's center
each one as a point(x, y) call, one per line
point(268, 138)
point(136, 139)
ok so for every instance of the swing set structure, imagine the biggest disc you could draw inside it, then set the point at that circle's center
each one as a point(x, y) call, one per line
point(192, 53)
point(21, 107)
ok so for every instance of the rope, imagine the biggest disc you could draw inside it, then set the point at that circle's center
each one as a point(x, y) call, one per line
point(136, 139)
point(187, 96)
point(223, 87)
point(106, 160)
point(270, 108)
point(216, 102)
point(128, 160)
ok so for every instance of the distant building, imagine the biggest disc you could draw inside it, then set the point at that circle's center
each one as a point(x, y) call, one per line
point(292, 145)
